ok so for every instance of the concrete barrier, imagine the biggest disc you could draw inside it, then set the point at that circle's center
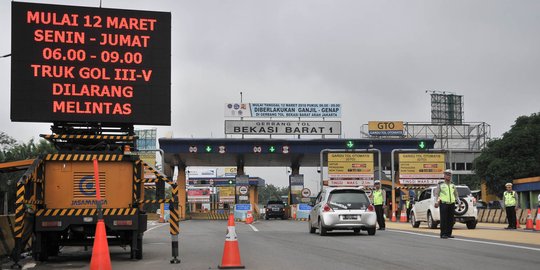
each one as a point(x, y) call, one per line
point(503, 216)
point(493, 215)
point(6, 235)
point(481, 214)
point(521, 216)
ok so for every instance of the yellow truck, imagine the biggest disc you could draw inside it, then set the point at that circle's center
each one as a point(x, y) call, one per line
point(56, 197)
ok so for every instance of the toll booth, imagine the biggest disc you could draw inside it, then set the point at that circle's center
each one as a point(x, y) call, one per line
point(215, 198)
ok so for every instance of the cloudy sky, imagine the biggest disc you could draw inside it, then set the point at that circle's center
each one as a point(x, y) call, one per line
point(376, 58)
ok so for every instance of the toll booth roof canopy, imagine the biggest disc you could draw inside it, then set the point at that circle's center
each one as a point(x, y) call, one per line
point(267, 152)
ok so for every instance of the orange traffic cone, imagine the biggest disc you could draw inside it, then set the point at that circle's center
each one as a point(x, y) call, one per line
point(231, 251)
point(518, 226)
point(101, 258)
point(537, 228)
point(249, 217)
point(394, 216)
point(529, 224)
point(403, 216)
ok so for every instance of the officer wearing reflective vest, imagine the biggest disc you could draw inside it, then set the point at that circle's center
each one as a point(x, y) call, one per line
point(379, 199)
point(510, 201)
point(446, 197)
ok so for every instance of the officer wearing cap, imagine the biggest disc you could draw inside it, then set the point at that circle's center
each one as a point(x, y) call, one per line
point(510, 202)
point(446, 196)
point(379, 199)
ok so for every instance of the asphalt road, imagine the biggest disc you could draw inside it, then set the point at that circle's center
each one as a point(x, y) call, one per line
point(287, 244)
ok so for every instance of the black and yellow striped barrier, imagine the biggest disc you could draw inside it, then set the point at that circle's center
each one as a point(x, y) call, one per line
point(158, 175)
point(174, 218)
point(149, 180)
point(35, 202)
point(136, 180)
point(150, 187)
point(31, 173)
point(156, 201)
point(174, 227)
point(88, 137)
point(71, 212)
point(218, 216)
point(19, 211)
point(84, 157)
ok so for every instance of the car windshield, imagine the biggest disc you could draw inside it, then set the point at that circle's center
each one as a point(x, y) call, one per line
point(348, 199)
point(463, 191)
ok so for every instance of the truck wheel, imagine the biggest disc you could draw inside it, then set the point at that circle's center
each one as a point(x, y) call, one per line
point(53, 244)
point(139, 251)
point(39, 250)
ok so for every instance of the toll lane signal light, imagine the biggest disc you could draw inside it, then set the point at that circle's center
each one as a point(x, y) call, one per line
point(208, 149)
point(272, 149)
point(350, 144)
point(422, 145)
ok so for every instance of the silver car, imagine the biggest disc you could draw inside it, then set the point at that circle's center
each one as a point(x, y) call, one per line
point(342, 208)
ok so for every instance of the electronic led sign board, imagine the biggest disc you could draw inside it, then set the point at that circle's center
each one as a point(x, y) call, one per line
point(81, 64)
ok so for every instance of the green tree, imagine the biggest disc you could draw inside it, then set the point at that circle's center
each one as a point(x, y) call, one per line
point(271, 192)
point(6, 141)
point(515, 155)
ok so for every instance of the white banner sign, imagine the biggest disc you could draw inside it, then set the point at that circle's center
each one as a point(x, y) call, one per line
point(282, 110)
point(226, 199)
point(419, 181)
point(350, 183)
point(271, 127)
point(201, 173)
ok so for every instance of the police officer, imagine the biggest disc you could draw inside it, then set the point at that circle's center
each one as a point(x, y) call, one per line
point(446, 197)
point(510, 200)
point(408, 206)
point(379, 199)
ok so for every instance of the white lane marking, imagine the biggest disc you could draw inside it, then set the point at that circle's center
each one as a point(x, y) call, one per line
point(29, 265)
point(472, 241)
point(158, 226)
point(253, 228)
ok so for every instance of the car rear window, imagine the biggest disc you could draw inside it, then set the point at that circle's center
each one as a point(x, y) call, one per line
point(348, 199)
point(275, 203)
point(463, 191)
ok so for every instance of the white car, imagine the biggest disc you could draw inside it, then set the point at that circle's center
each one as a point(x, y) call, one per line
point(424, 209)
point(342, 208)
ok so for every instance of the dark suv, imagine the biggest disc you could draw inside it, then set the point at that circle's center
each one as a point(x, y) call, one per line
point(275, 209)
